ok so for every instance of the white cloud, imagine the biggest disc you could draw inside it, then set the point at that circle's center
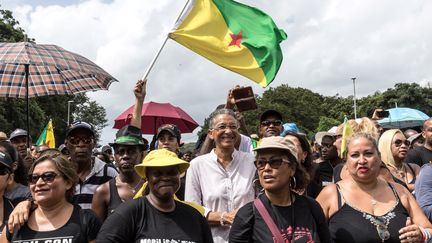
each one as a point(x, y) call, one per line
point(379, 42)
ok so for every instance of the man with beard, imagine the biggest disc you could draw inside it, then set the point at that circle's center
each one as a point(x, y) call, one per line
point(128, 151)
point(330, 158)
point(19, 140)
point(92, 172)
point(422, 155)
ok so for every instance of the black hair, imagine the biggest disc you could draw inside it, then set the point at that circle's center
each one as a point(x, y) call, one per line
point(306, 147)
point(20, 171)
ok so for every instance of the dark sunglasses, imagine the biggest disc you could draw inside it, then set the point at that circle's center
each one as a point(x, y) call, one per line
point(275, 123)
point(274, 163)
point(4, 170)
point(399, 142)
point(76, 140)
point(47, 177)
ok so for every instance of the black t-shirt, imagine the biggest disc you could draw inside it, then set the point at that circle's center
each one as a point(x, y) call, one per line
point(82, 227)
point(7, 210)
point(325, 173)
point(309, 222)
point(138, 221)
point(419, 156)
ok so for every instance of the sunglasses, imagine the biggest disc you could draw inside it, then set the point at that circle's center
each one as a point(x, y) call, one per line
point(275, 123)
point(274, 163)
point(4, 170)
point(77, 140)
point(399, 142)
point(47, 177)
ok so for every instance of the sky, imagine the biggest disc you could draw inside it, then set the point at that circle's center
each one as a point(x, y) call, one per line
point(381, 43)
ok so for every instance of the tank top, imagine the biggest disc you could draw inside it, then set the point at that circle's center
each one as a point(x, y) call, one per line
point(349, 224)
point(115, 199)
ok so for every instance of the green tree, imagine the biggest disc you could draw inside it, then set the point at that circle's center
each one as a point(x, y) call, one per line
point(13, 111)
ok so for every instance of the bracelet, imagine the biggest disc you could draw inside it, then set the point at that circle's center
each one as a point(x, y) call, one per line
point(221, 220)
point(425, 234)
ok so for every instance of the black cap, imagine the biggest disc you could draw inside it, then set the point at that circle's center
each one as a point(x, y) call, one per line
point(106, 148)
point(171, 128)
point(18, 133)
point(6, 160)
point(80, 125)
point(268, 113)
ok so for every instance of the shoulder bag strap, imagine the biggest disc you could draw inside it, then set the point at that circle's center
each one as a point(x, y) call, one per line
point(269, 221)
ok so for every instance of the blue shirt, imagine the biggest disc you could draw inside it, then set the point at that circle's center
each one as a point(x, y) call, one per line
point(423, 190)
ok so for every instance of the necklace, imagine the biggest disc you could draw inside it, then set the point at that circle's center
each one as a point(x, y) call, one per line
point(381, 223)
point(134, 188)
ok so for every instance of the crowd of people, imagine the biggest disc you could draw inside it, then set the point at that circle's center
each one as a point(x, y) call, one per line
point(279, 185)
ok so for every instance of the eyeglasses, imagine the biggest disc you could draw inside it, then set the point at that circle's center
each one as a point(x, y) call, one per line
point(223, 127)
point(274, 163)
point(4, 170)
point(47, 177)
point(76, 140)
point(275, 123)
point(399, 142)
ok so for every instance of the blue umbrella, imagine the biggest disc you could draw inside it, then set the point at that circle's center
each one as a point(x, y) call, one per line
point(403, 118)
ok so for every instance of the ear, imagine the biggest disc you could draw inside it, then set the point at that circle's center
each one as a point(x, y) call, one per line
point(14, 166)
point(69, 185)
point(210, 134)
point(10, 179)
point(423, 134)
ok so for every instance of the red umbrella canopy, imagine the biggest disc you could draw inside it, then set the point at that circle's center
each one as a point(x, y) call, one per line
point(153, 115)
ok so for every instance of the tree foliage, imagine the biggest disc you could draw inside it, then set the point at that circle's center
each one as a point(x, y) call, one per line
point(13, 112)
point(313, 112)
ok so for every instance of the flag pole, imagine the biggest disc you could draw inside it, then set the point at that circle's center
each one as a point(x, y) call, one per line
point(163, 45)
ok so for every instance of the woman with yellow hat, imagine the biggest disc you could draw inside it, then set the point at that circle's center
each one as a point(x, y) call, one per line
point(157, 216)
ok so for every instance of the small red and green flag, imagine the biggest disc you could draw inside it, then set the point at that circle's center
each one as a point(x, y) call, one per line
point(47, 136)
point(235, 36)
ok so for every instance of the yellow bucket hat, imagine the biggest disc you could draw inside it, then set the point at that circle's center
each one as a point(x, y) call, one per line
point(160, 158)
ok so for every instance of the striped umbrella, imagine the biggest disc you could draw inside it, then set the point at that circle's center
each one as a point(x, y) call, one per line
point(29, 70)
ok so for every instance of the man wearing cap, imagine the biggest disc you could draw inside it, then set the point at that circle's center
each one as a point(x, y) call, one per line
point(107, 151)
point(129, 151)
point(6, 206)
point(92, 172)
point(222, 180)
point(416, 140)
point(157, 217)
point(329, 156)
point(19, 140)
point(270, 125)
point(422, 155)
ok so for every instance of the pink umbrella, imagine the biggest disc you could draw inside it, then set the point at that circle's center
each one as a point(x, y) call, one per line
point(153, 115)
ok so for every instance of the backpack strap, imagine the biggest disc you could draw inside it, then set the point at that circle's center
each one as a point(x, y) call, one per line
point(269, 221)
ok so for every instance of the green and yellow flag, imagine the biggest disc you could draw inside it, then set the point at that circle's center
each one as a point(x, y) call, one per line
point(346, 133)
point(235, 36)
point(47, 136)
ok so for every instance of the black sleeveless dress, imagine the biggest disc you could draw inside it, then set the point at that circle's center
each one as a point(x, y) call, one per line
point(352, 225)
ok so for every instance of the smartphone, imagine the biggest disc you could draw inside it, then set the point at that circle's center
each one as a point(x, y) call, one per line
point(244, 98)
point(383, 114)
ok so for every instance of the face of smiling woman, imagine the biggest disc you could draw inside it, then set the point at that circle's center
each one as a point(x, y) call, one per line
point(163, 182)
point(48, 186)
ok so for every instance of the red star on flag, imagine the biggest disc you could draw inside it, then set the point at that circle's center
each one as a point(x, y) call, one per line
point(236, 39)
